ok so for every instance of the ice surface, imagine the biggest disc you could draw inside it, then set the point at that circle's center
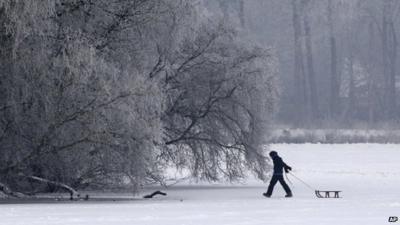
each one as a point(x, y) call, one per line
point(368, 175)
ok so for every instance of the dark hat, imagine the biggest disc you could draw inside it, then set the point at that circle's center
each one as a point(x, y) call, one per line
point(273, 153)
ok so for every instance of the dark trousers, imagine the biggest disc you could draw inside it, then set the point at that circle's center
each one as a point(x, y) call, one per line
point(274, 180)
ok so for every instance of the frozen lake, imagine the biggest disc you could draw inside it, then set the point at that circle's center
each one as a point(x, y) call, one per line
point(368, 175)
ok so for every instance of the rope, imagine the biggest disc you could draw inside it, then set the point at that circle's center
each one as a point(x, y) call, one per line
point(309, 186)
point(287, 178)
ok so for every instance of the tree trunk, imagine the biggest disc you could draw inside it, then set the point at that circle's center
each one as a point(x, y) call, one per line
point(389, 55)
point(310, 64)
point(241, 14)
point(300, 93)
point(392, 74)
point(352, 97)
point(371, 81)
point(334, 84)
point(385, 60)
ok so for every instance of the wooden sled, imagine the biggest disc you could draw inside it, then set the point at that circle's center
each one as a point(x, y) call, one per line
point(327, 194)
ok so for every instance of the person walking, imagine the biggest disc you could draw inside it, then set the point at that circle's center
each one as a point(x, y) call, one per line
point(279, 166)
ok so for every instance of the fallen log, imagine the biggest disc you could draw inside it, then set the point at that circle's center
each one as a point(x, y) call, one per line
point(154, 194)
point(69, 189)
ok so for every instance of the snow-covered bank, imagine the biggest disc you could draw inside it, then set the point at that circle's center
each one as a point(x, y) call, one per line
point(335, 136)
point(368, 175)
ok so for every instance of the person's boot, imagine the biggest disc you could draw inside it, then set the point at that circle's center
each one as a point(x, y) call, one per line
point(289, 195)
point(267, 195)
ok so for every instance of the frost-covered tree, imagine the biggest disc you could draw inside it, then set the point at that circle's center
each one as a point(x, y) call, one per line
point(221, 97)
point(100, 94)
point(73, 110)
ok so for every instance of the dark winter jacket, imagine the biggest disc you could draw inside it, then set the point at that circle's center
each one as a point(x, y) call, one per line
point(279, 165)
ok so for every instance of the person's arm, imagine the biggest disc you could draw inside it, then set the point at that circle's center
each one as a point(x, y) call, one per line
point(286, 167)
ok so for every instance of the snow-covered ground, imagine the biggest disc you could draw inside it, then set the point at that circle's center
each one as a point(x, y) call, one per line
point(368, 175)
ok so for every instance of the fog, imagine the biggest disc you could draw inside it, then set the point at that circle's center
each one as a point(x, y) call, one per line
point(338, 61)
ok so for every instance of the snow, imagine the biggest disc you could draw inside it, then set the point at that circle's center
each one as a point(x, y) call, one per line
point(368, 175)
